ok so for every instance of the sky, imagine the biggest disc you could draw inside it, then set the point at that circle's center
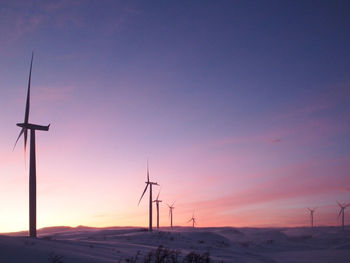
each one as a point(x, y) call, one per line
point(241, 107)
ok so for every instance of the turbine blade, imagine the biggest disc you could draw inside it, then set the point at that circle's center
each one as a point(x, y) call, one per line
point(189, 220)
point(158, 195)
point(147, 172)
point(26, 116)
point(341, 210)
point(21, 132)
point(143, 194)
point(173, 204)
point(25, 139)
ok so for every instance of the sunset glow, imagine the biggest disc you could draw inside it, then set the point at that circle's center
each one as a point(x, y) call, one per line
point(243, 116)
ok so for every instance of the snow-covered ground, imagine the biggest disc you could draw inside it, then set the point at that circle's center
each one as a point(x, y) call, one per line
point(223, 244)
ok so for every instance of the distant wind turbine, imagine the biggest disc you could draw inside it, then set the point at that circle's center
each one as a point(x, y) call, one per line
point(193, 219)
point(312, 216)
point(149, 183)
point(157, 201)
point(342, 212)
point(171, 207)
point(32, 163)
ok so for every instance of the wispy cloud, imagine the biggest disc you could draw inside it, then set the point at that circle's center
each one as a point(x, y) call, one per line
point(309, 119)
point(50, 94)
point(298, 181)
point(115, 24)
point(276, 140)
point(23, 18)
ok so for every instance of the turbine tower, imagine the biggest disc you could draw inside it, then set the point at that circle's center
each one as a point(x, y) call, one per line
point(312, 216)
point(149, 183)
point(193, 219)
point(171, 207)
point(32, 160)
point(341, 212)
point(157, 201)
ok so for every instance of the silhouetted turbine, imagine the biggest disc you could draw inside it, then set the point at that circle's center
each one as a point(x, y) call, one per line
point(171, 207)
point(157, 201)
point(193, 219)
point(312, 216)
point(149, 183)
point(341, 212)
point(32, 161)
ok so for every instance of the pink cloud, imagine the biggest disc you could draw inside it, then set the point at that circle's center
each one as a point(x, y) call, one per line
point(300, 181)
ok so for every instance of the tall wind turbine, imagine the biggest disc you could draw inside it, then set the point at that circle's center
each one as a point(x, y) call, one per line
point(341, 212)
point(32, 161)
point(149, 183)
point(171, 207)
point(193, 219)
point(312, 216)
point(157, 201)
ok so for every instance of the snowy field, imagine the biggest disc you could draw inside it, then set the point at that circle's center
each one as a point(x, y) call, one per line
point(226, 244)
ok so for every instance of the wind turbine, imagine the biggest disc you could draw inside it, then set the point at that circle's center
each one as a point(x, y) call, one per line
point(341, 212)
point(32, 160)
point(193, 219)
point(157, 201)
point(312, 216)
point(149, 183)
point(171, 207)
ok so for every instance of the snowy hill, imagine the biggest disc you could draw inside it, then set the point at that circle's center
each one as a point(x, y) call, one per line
point(130, 244)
